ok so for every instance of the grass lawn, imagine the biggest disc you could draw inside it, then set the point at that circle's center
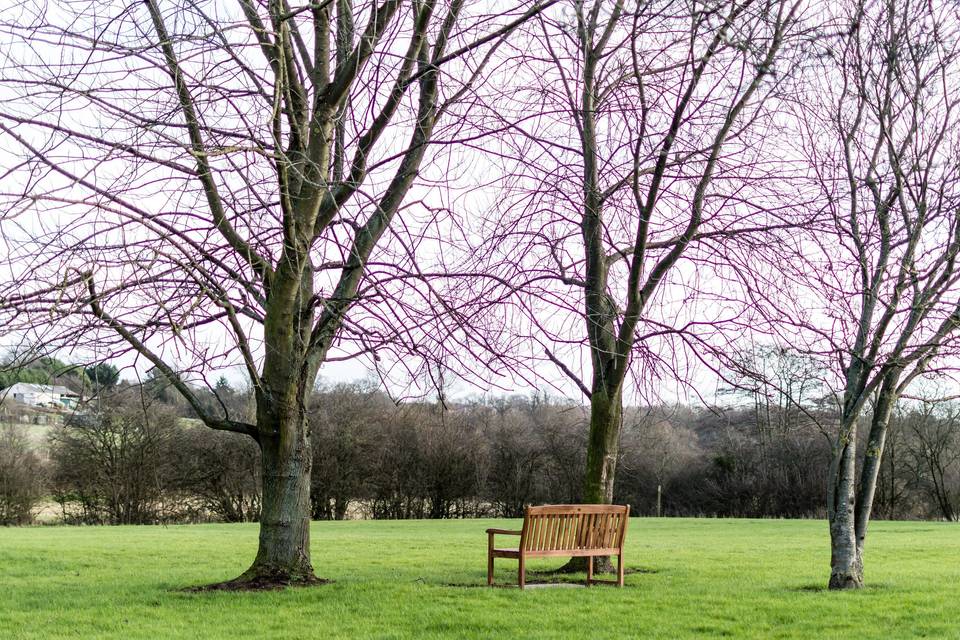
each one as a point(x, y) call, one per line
point(416, 579)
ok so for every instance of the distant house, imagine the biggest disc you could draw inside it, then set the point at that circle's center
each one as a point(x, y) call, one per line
point(42, 395)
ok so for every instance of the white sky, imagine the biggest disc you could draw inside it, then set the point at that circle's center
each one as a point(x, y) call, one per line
point(479, 203)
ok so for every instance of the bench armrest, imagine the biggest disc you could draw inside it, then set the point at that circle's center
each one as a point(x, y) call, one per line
point(505, 532)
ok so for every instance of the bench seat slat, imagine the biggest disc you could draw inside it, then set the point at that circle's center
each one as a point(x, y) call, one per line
point(572, 553)
point(558, 523)
point(575, 521)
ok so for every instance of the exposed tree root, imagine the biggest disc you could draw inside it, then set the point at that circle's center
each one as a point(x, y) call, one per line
point(845, 582)
point(261, 583)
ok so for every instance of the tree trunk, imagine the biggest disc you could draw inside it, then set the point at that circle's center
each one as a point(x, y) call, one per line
point(340, 507)
point(873, 457)
point(606, 411)
point(283, 556)
point(846, 566)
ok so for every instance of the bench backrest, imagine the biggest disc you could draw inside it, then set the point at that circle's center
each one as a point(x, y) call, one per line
point(571, 527)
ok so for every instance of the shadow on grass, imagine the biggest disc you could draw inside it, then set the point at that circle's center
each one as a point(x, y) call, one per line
point(554, 579)
point(560, 572)
point(822, 588)
point(562, 584)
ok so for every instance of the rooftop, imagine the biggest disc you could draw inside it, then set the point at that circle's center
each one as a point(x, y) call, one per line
point(28, 387)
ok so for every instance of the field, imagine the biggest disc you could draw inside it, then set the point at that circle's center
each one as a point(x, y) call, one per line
point(417, 579)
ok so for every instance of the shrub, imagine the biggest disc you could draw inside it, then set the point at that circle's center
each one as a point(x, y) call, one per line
point(21, 477)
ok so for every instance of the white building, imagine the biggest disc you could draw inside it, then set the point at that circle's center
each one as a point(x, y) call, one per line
point(41, 395)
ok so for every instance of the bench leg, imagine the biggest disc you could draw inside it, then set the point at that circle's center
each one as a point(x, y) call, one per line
point(589, 570)
point(522, 572)
point(489, 559)
point(620, 569)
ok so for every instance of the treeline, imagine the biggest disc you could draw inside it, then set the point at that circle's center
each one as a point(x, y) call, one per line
point(136, 458)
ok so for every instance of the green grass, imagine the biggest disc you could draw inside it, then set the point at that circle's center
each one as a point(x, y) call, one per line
point(417, 579)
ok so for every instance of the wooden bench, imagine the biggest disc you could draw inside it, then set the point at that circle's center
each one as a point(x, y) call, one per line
point(571, 530)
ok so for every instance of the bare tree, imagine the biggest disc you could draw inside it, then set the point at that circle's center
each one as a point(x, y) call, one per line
point(211, 183)
point(111, 466)
point(879, 276)
point(217, 472)
point(892, 497)
point(627, 137)
point(653, 445)
point(22, 476)
point(344, 429)
point(782, 384)
point(933, 451)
